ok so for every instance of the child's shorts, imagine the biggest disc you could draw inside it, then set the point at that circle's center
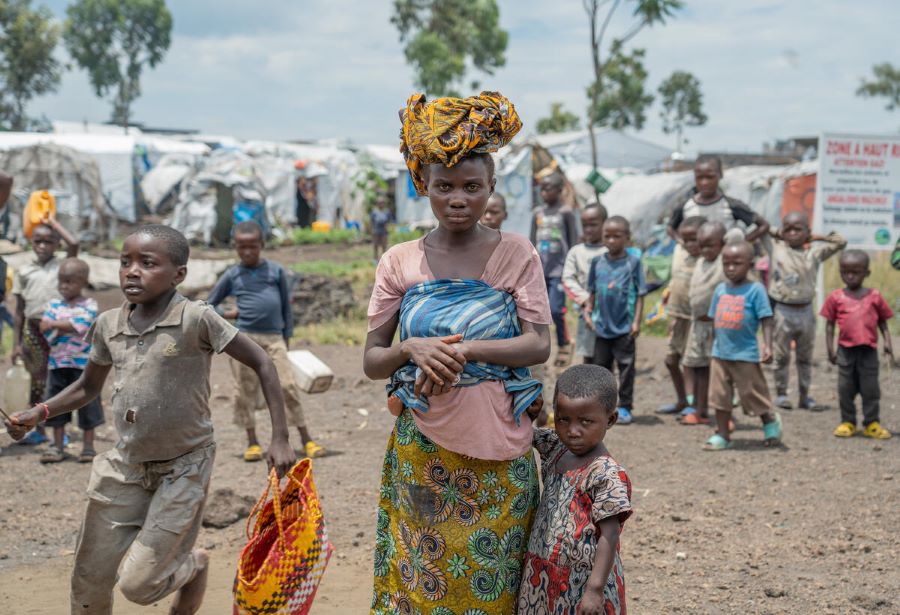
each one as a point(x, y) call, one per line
point(679, 330)
point(89, 417)
point(699, 344)
point(747, 378)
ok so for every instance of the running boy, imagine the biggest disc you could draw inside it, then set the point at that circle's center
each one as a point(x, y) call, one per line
point(495, 213)
point(678, 307)
point(792, 289)
point(738, 307)
point(859, 313)
point(34, 285)
point(710, 202)
point(65, 324)
point(574, 542)
point(708, 274)
point(553, 232)
point(264, 315)
point(616, 284)
point(146, 495)
point(575, 273)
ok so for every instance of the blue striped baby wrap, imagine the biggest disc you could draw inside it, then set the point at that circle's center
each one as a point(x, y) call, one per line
point(479, 312)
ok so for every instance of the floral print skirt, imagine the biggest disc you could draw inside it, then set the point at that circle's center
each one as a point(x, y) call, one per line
point(452, 530)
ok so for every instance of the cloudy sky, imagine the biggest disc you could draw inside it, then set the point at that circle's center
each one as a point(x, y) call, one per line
point(287, 69)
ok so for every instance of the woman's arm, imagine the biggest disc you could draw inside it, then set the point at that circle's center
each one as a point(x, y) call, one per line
point(438, 359)
point(532, 347)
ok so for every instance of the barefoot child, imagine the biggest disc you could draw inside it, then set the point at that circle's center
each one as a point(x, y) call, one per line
point(859, 313)
point(264, 315)
point(553, 232)
point(575, 274)
point(65, 324)
point(792, 289)
point(495, 212)
point(572, 564)
point(708, 274)
point(678, 308)
point(737, 308)
point(616, 284)
point(34, 285)
point(146, 495)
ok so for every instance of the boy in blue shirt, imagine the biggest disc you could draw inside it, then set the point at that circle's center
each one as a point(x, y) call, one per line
point(737, 309)
point(616, 284)
point(264, 315)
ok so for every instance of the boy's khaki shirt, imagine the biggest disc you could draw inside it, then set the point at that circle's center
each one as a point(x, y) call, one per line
point(160, 397)
point(794, 272)
point(707, 275)
point(683, 264)
point(37, 285)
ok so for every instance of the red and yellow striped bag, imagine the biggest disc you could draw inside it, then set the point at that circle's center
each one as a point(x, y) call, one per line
point(285, 556)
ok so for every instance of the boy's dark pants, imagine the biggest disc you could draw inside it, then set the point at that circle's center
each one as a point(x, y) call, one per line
point(621, 351)
point(858, 374)
point(557, 297)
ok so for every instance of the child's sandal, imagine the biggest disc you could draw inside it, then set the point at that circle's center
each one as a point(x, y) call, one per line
point(694, 419)
point(53, 455)
point(772, 431)
point(717, 443)
point(87, 455)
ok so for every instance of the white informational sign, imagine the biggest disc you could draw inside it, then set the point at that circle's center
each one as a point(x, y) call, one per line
point(858, 189)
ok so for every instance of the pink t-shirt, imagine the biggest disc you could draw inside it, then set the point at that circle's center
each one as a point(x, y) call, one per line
point(476, 421)
point(857, 319)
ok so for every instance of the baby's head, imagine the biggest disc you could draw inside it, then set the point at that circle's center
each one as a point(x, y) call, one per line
point(688, 230)
point(584, 404)
point(72, 278)
point(153, 262)
point(795, 229)
point(711, 237)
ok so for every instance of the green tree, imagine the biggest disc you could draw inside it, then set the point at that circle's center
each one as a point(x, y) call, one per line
point(113, 40)
point(28, 68)
point(886, 84)
point(618, 78)
point(559, 120)
point(441, 36)
point(682, 104)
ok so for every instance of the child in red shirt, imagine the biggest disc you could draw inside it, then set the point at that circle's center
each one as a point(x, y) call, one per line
point(859, 313)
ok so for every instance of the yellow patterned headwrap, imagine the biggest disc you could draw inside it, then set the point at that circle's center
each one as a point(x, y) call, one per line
point(446, 130)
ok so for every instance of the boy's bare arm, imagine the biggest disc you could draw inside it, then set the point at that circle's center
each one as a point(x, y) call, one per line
point(829, 341)
point(18, 328)
point(886, 334)
point(77, 395)
point(762, 227)
point(586, 314)
point(71, 242)
point(242, 348)
point(638, 316)
point(767, 326)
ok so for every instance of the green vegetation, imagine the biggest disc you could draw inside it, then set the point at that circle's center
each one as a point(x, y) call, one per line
point(305, 236)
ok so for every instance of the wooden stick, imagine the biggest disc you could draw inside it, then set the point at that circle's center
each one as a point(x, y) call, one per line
point(5, 415)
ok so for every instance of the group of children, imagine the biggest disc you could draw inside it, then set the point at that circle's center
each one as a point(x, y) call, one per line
point(715, 306)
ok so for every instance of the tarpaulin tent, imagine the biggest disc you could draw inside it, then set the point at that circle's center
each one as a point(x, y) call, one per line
point(615, 150)
point(72, 177)
point(117, 157)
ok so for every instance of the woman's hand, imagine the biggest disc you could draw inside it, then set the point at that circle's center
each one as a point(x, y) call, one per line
point(439, 360)
point(591, 601)
point(427, 387)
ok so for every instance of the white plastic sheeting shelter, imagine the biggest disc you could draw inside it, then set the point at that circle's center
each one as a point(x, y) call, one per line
point(115, 157)
point(615, 150)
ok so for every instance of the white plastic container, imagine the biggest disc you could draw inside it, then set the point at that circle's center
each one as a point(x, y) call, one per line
point(312, 374)
point(17, 389)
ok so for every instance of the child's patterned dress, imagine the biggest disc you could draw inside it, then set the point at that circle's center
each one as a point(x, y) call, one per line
point(563, 540)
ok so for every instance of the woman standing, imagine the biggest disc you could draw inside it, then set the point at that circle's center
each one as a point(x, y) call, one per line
point(459, 486)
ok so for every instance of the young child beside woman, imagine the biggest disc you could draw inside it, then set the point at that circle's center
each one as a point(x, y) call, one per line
point(572, 564)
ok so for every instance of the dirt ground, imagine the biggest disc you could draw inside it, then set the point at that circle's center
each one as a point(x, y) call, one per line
point(810, 527)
